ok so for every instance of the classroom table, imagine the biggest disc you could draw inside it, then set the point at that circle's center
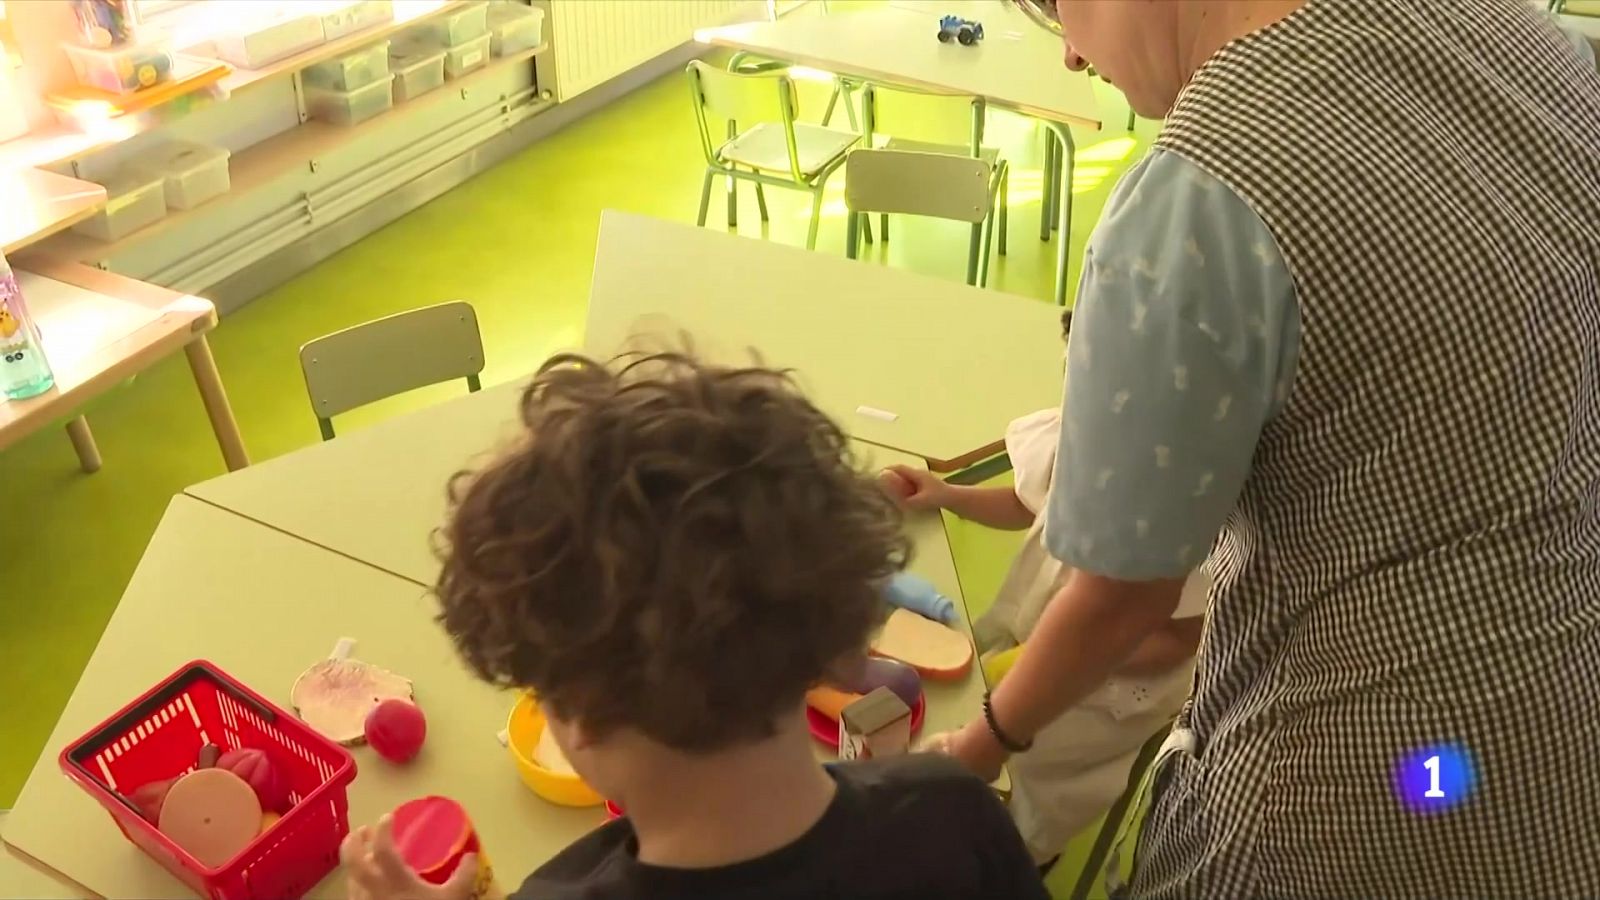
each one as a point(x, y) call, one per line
point(1017, 66)
point(38, 204)
point(23, 879)
point(951, 363)
point(263, 604)
point(923, 365)
point(100, 329)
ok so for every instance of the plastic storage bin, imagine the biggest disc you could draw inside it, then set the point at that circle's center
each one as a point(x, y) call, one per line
point(134, 199)
point(159, 735)
point(121, 70)
point(352, 71)
point(461, 59)
point(192, 173)
point(267, 38)
point(355, 15)
point(514, 28)
point(461, 24)
point(417, 70)
point(351, 107)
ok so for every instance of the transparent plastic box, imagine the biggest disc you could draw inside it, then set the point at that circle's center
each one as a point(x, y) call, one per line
point(134, 199)
point(351, 16)
point(514, 27)
point(461, 24)
point(193, 173)
point(352, 71)
point(269, 34)
point(121, 70)
point(417, 70)
point(351, 107)
point(464, 58)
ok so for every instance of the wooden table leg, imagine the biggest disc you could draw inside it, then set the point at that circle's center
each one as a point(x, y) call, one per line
point(83, 443)
point(215, 399)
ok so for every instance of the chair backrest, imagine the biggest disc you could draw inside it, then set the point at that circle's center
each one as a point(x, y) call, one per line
point(919, 116)
point(917, 184)
point(750, 97)
point(389, 356)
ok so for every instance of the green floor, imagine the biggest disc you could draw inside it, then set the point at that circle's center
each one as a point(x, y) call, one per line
point(518, 242)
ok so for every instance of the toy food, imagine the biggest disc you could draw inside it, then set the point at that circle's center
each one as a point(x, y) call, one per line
point(870, 673)
point(830, 701)
point(257, 770)
point(395, 729)
point(212, 814)
point(875, 726)
point(335, 695)
point(433, 835)
point(934, 650)
point(548, 753)
point(150, 797)
point(268, 819)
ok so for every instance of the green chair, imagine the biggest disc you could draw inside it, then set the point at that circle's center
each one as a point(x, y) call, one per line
point(776, 151)
point(909, 182)
point(902, 119)
point(368, 362)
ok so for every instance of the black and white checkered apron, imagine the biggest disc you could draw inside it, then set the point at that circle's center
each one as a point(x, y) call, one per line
point(1415, 558)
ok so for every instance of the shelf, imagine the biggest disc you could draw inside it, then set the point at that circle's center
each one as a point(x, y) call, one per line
point(262, 163)
point(63, 143)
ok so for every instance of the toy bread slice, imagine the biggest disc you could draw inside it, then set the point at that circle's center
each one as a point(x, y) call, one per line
point(548, 753)
point(335, 695)
point(829, 701)
point(936, 651)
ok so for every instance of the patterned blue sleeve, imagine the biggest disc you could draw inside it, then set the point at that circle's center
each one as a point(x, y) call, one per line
point(1184, 339)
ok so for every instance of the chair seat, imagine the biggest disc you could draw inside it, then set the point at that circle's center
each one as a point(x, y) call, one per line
point(763, 148)
point(989, 155)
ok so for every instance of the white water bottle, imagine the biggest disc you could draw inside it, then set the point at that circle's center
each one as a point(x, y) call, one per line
point(23, 369)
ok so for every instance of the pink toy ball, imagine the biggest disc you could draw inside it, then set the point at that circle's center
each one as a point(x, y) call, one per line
point(395, 729)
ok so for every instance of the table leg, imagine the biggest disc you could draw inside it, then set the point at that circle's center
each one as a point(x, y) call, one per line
point(1068, 152)
point(1047, 185)
point(83, 443)
point(215, 400)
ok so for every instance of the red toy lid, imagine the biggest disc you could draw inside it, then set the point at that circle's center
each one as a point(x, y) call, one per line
point(432, 834)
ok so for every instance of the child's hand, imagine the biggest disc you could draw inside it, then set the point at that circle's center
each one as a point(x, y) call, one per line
point(914, 489)
point(375, 871)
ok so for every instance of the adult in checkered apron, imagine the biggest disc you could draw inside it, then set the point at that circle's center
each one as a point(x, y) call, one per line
point(1340, 332)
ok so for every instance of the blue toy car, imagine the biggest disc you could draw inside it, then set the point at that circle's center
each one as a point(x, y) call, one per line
point(966, 31)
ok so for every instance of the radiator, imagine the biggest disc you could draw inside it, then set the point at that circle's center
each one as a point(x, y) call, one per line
point(596, 40)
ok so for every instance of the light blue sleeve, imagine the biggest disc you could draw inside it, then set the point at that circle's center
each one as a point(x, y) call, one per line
point(1184, 339)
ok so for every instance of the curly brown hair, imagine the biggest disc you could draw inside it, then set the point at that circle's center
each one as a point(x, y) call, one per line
point(674, 547)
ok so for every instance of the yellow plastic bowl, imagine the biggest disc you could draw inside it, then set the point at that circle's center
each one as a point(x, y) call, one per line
point(523, 729)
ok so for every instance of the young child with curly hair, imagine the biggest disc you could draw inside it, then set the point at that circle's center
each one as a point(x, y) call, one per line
point(670, 557)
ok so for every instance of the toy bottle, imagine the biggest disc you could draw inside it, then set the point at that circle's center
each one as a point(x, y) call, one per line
point(23, 369)
point(433, 835)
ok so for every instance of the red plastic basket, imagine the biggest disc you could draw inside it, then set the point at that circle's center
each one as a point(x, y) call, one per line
point(160, 735)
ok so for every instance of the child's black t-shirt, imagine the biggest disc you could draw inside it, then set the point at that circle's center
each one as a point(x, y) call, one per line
point(917, 826)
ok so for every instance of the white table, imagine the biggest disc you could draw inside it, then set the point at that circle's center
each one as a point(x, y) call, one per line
point(100, 329)
point(1017, 66)
point(263, 604)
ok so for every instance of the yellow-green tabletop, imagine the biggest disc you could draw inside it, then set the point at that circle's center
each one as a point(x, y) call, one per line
point(931, 367)
point(22, 879)
point(374, 494)
point(263, 604)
